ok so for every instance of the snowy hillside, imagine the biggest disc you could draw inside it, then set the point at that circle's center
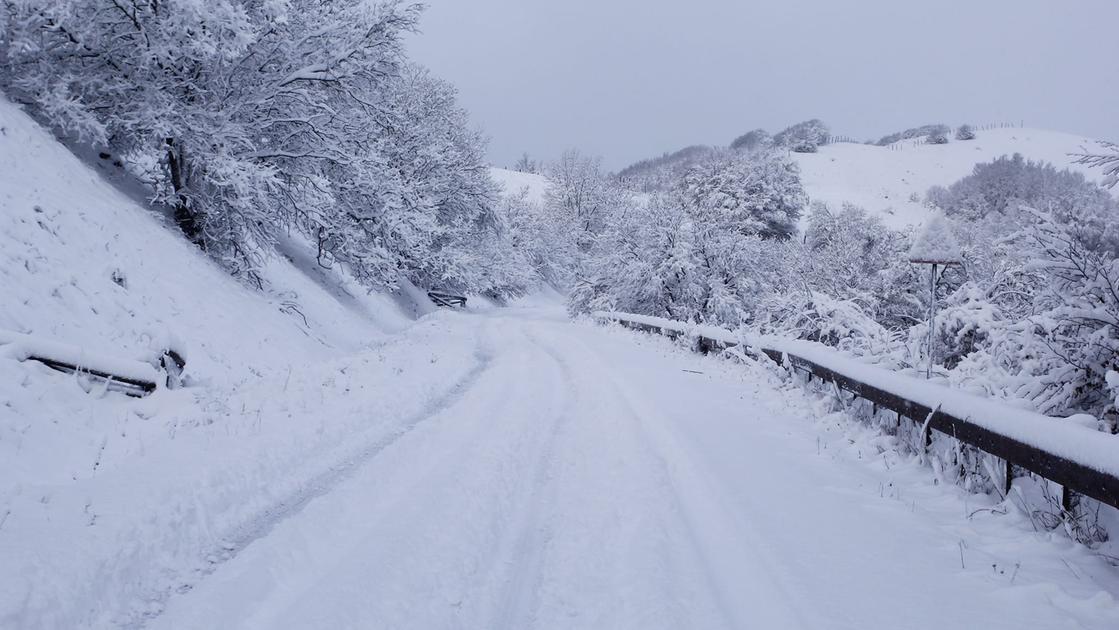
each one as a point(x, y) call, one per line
point(124, 497)
point(892, 181)
point(513, 182)
point(89, 266)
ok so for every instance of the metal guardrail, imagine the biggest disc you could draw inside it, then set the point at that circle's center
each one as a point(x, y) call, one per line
point(447, 300)
point(129, 386)
point(128, 376)
point(1073, 476)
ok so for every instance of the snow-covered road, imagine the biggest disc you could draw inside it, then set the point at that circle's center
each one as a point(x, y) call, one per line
point(594, 478)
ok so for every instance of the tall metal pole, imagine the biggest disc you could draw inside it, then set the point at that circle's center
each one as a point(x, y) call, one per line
point(932, 318)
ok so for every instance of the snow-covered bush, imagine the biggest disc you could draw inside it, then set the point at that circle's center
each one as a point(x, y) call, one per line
point(965, 132)
point(663, 173)
point(819, 317)
point(937, 137)
point(1108, 161)
point(643, 263)
point(803, 137)
point(759, 195)
point(755, 140)
point(1010, 182)
point(915, 132)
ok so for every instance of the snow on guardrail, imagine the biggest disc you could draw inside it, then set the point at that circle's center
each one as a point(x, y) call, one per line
point(1061, 449)
point(137, 377)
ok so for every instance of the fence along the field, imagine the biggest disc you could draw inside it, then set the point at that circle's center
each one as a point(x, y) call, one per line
point(1073, 476)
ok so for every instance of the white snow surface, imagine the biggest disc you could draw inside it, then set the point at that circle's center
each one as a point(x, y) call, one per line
point(513, 182)
point(23, 347)
point(333, 463)
point(892, 182)
point(592, 478)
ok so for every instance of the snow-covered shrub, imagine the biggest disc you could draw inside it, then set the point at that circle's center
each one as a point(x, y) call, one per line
point(1108, 161)
point(803, 137)
point(538, 239)
point(642, 263)
point(663, 173)
point(1007, 183)
point(937, 137)
point(1077, 314)
point(760, 194)
point(815, 316)
point(915, 132)
point(851, 255)
point(755, 140)
point(965, 132)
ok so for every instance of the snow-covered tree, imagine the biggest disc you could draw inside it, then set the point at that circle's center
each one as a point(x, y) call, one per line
point(1107, 161)
point(581, 196)
point(915, 132)
point(1008, 183)
point(755, 140)
point(937, 137)
point(803, 137)
point(965, 132)
point(525, 164)
point(759, 195)
point(643, 262)
point(240, 104)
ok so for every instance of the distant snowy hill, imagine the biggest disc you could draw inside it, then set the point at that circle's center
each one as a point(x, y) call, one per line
point(891, 181)
point(512, 182)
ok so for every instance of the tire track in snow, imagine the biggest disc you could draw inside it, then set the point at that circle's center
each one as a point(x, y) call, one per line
point(695, 498)
point(520, 589)
point(266, 520)
point(454, 513)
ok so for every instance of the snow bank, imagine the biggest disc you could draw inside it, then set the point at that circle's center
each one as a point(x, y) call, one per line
point(23, 347)
point(1068, 439)
point(1071, 440)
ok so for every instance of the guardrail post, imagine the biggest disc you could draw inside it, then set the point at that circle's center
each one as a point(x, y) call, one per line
point(1068, 499)
point(1008, 478)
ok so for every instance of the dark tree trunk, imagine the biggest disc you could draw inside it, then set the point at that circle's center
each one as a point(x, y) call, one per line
point(185, 217)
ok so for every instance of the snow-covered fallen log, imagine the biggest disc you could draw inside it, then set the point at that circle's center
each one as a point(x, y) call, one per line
point(132, 377)
point(1062, 450)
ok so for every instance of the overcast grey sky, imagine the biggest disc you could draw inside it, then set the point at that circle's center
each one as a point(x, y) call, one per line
point(629, 79)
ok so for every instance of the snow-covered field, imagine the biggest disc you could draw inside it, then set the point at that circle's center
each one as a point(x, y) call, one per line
point(891, 182)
